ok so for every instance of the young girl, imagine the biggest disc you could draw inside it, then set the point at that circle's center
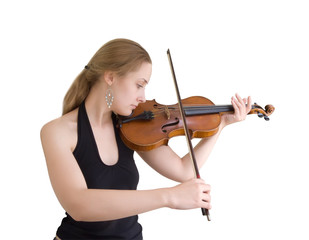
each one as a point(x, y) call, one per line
point(93, 173)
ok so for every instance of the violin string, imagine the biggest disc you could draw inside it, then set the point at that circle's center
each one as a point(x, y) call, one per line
point(218, 108)
point(204, 109)
point(199, 107)
point(211, 108)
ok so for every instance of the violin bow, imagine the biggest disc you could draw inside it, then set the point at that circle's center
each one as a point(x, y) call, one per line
point(187, 133)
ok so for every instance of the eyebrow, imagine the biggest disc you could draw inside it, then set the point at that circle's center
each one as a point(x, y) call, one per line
point(144, 80)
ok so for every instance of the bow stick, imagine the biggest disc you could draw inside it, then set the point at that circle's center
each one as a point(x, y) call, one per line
point(188, 135)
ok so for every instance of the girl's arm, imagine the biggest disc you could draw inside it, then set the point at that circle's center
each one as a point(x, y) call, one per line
point(165, 161)
point(85, 204)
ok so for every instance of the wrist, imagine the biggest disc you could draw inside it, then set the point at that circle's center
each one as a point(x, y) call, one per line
point(166, 197)
point(222, 125)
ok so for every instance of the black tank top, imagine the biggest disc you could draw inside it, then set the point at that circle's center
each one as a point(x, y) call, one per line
point(122, 175)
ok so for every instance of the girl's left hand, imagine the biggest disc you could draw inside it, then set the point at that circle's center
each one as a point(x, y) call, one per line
point(241, 108)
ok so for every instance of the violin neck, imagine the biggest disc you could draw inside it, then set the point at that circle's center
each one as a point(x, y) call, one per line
point(211, 109)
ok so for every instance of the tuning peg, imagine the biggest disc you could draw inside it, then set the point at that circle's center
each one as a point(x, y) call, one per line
point(260, 115)
point(266, 118)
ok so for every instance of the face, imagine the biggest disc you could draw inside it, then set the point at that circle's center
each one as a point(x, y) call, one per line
point(129, 91)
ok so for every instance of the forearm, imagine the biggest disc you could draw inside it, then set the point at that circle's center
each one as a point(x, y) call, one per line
point(104, 205)
point(201, 151)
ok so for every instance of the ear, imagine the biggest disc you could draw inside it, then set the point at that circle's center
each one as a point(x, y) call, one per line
point(108, 77)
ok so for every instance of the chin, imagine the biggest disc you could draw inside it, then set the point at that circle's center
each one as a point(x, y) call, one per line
point(125, 113)
point(128, 114)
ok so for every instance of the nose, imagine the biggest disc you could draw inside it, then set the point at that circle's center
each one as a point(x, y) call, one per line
point(142, 98)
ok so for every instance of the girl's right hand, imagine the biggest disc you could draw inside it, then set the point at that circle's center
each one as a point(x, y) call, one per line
point(191, 194)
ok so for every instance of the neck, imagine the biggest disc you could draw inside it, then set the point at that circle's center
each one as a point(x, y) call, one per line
point(97, 110)
point(200, 110)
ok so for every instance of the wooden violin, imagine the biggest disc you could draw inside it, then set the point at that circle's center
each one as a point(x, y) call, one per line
point(152, 124)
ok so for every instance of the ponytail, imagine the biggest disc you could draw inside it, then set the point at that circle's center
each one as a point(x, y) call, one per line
point(76, 94)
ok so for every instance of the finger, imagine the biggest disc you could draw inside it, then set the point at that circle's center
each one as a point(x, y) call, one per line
point(240, 111)
point(235, 106)
point(249, 104)
point(206, 197)
point(206, 205)
point(206, 201)
point(243, 106)
point(199, 180)
point(206, 188)
point(240, 100)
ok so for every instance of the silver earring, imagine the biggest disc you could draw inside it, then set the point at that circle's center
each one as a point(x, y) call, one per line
point(109, 97)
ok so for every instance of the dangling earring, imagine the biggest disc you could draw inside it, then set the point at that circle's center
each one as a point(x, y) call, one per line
point(109, 97)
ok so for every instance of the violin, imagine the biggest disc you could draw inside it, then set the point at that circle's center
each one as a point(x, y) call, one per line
point(152, 124)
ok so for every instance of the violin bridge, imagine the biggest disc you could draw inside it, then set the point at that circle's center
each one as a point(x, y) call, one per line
point(167, 112)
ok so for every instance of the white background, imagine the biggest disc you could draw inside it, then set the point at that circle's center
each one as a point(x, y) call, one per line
point(258, 170)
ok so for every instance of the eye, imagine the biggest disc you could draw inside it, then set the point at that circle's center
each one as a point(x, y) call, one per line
point(139, 86)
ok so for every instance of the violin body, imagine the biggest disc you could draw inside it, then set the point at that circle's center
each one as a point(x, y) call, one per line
point(152, 124)
point(144, 135)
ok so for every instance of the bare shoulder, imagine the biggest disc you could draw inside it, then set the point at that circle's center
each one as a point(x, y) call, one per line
point(62, 129)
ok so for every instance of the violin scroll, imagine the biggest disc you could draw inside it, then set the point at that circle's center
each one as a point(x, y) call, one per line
point(269, 109)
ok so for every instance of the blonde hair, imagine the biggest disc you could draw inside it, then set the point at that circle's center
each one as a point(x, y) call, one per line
point(119, 55)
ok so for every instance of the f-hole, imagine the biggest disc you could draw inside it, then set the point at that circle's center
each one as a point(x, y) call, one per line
point(163, 128)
